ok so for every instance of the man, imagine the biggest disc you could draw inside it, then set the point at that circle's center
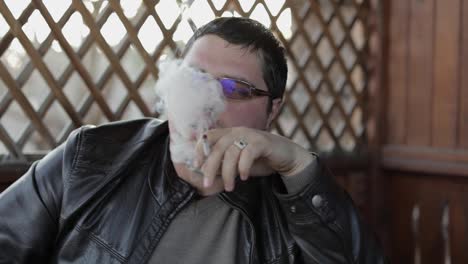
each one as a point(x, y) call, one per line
point(112, 194)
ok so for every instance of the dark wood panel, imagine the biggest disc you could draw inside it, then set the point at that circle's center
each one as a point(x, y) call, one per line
point(430, 201)
point(9, 174)
point(463, 113)
point(417, 221)
point(426, 153)
point(446, 55)
point(420, 72)
point(425, 159)
point(426, 156)
point(397, 70)
point(400, 203)
point(459, 228)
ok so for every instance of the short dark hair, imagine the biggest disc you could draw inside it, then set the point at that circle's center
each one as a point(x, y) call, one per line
point(253, 35)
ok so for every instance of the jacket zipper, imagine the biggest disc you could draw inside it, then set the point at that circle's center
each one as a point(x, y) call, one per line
point(244, 213)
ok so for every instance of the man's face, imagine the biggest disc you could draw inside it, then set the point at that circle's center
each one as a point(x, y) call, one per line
point(214, 55)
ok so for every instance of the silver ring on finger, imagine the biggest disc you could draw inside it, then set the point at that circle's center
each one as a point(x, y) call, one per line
point(241, 144)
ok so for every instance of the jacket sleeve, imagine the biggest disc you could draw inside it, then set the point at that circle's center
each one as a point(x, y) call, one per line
point(325, 223)
point(30, 208)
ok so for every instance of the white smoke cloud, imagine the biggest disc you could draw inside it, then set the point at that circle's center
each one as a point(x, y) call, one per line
point(192, 101)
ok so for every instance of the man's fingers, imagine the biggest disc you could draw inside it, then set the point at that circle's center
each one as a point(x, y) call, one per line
point(229, 167)
point(213, 161)
point(233, 152)
point(246, 159)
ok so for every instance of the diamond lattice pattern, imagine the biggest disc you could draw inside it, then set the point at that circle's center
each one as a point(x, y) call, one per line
point(70, 62)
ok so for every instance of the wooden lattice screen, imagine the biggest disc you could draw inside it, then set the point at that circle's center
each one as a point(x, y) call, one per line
point(68, 63)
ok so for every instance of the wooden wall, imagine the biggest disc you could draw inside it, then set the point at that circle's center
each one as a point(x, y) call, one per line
point(425, 150)
point(9, 174)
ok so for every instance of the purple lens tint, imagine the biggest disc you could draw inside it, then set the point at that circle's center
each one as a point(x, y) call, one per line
point(229, 86)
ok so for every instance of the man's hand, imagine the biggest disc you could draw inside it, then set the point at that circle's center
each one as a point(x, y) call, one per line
point(263, 154)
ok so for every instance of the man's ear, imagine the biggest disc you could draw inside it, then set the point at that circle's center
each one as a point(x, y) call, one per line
point(276, 105)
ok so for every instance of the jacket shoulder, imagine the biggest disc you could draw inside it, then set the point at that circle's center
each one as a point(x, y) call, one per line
point(123, 131)
point(94, 145)
point(96, 154)
point(91, 143)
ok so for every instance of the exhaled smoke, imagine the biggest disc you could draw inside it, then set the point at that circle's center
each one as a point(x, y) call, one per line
point(192, 101)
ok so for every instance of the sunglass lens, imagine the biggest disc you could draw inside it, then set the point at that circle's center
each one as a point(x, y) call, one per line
point(229, 87)
point(234, 90)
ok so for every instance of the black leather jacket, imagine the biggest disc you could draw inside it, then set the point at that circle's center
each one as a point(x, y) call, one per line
point(108, 194)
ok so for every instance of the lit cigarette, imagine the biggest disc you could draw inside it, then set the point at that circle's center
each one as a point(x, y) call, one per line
point(206, 146)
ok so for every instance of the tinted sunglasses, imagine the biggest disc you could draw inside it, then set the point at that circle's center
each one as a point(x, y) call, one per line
point(240, 90)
